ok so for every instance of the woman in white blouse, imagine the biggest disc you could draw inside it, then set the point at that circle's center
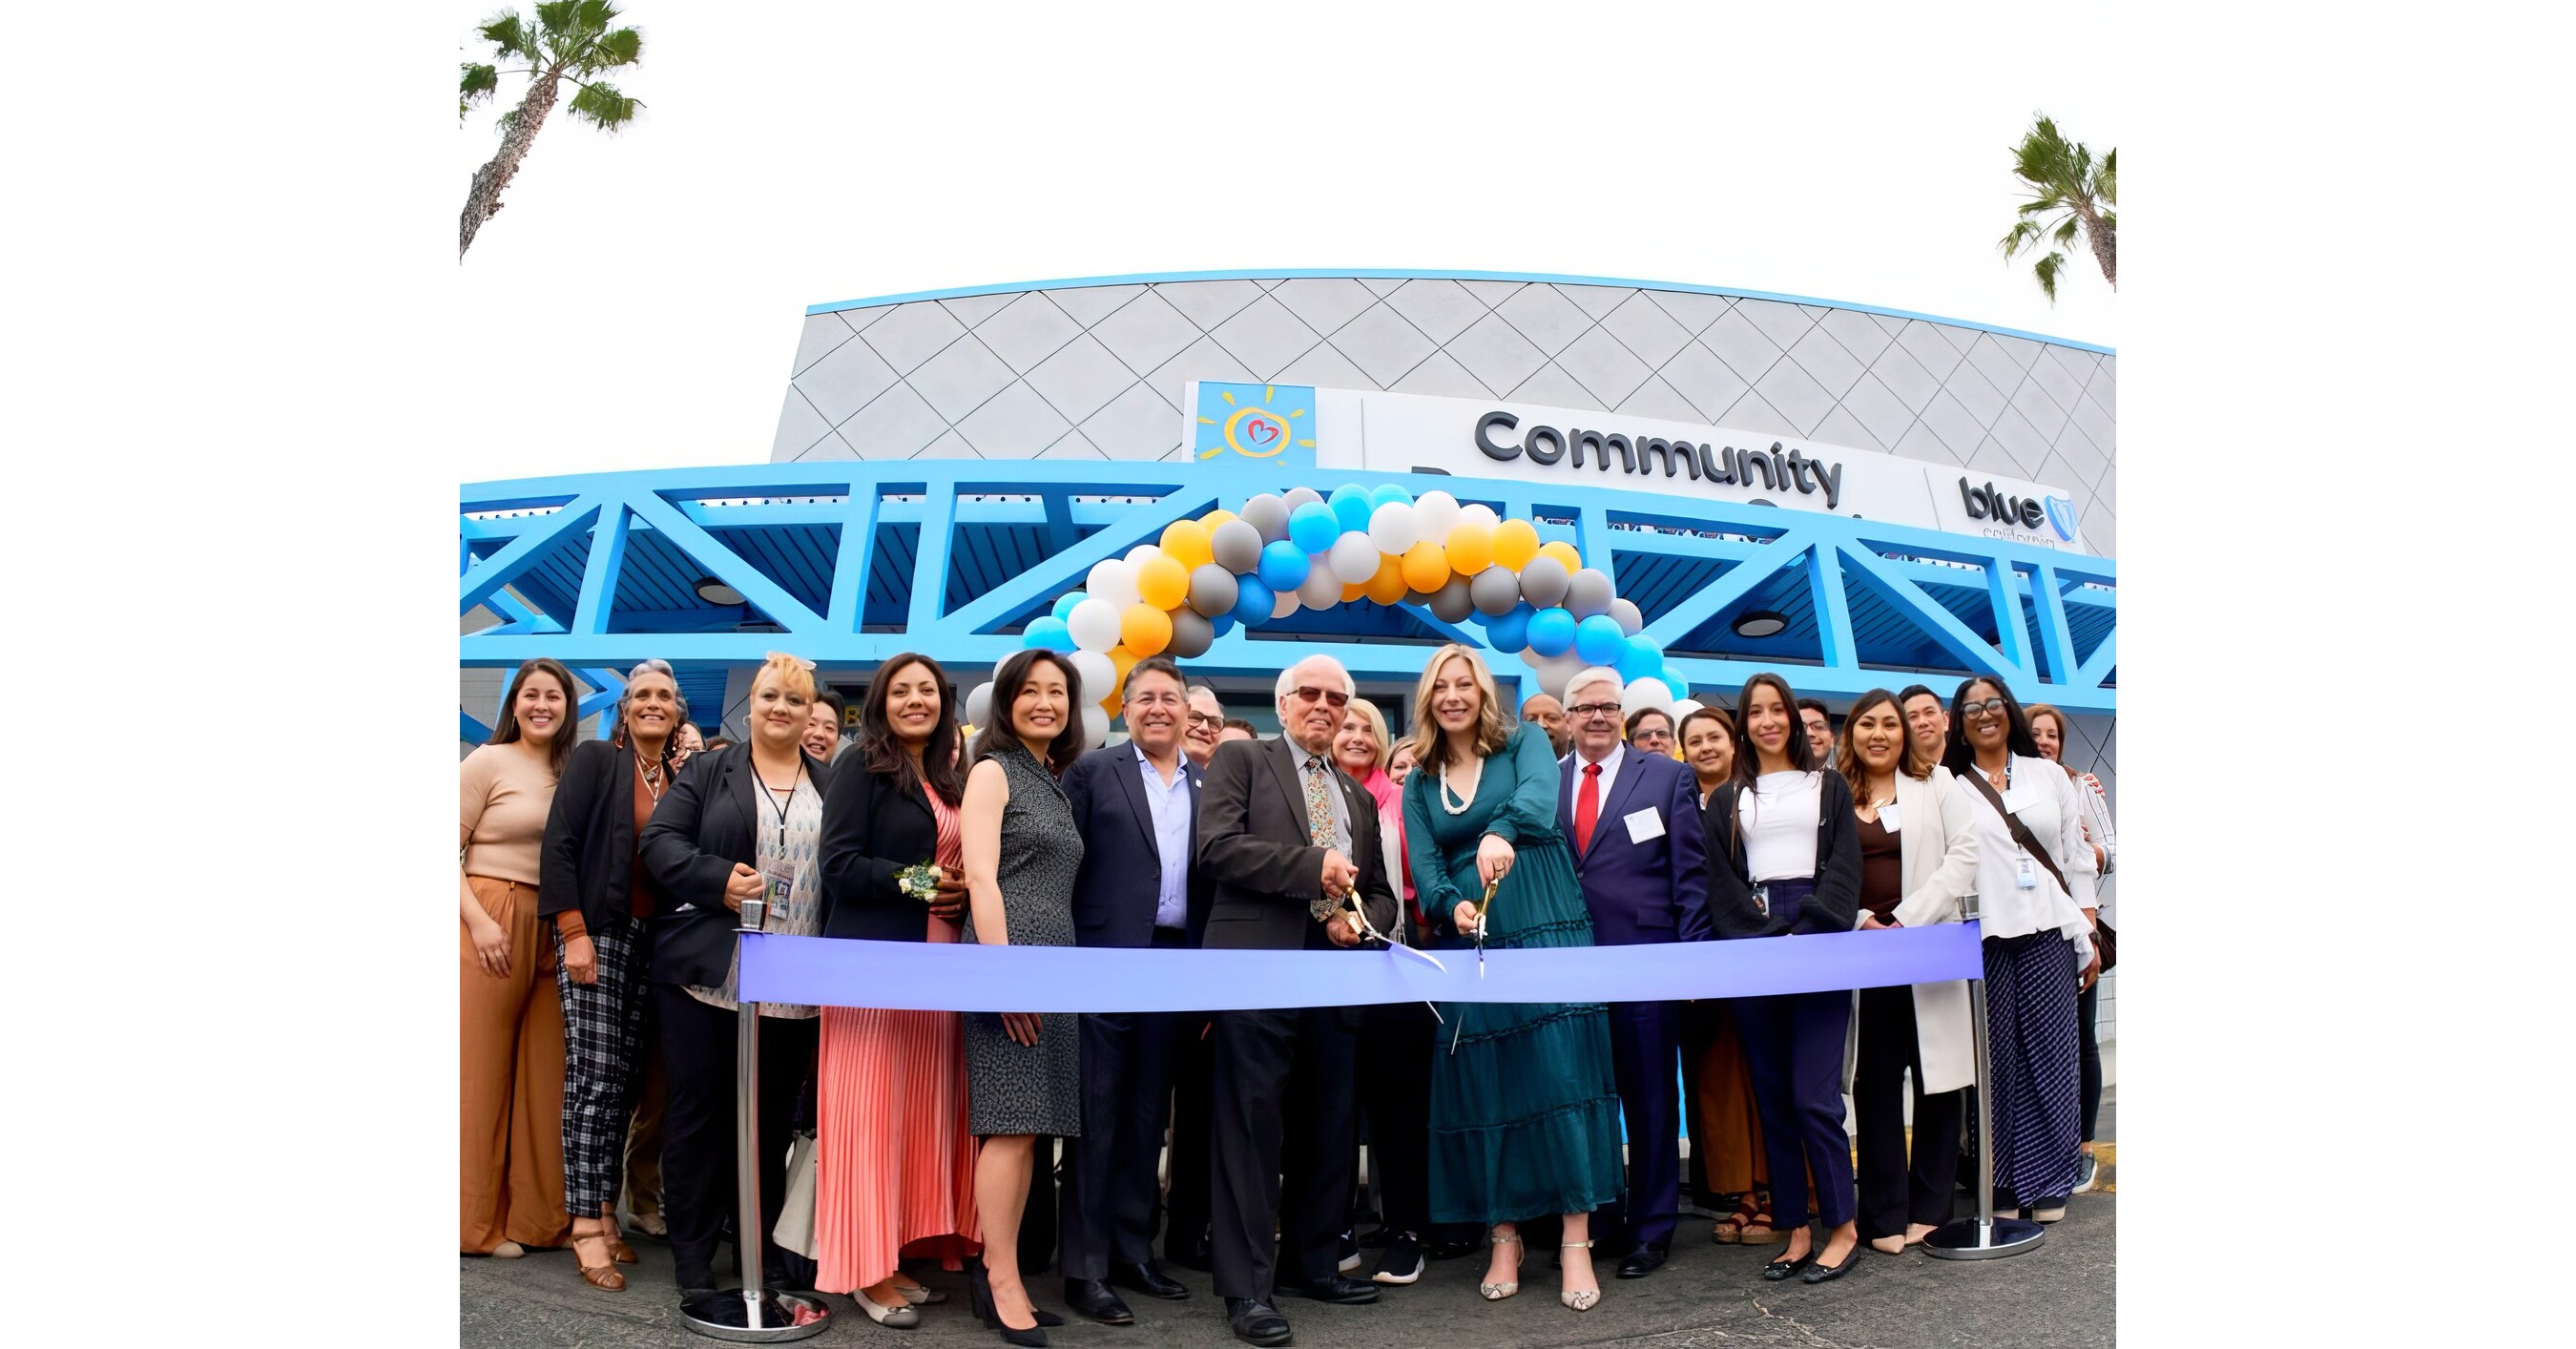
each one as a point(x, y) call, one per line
point(2036, 902)
point(2048, 729)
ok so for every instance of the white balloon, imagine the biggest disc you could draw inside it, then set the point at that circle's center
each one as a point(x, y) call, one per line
point(1094, 623)
point(1354, 559)
point(1323, 589)
point(1114, 581)
point(1683, 707)
point(1098, 673)
point(1394, 527)
point(1643, 694)
point(1476, 512)
point(1143, 553)
point(1095, 727)
point(1284, 603)
point(979, 703)
point(1434, 513)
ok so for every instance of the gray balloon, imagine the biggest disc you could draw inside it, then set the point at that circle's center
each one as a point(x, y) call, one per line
point(1299, 496)
point(1322, 590)
point(1631, 622)
point(1452, 603)
point(1495, 590)
point(1237, 545)
point(1588, 593)
point(1543, 581)
point(1212, 588)
point(979, 704)
point(1413, 596)
point(1268, 514)
point(1191, 632)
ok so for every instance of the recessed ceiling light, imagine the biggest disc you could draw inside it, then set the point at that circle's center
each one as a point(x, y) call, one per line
point(1761, 623)
point(714, 591)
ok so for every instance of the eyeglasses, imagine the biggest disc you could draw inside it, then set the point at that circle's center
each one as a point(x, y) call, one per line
point(1593, 710)
point(1212, 721)
point(1332, 698)
point(1980, 709)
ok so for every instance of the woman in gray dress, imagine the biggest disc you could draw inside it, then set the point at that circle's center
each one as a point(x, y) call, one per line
point(1023, 1071)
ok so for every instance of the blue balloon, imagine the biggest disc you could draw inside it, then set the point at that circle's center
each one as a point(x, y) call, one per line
point(1511, 631)
point(1252, 600)
point(1598, 640)
point(1351, 508)
point(1064, 607)
point(1284, 566)
point(1551, 631)
point(1642, 660)
point(1224, 622)
point(1048, 634)
point(1313, 527)
point(1389, 495)
point(1673, 680)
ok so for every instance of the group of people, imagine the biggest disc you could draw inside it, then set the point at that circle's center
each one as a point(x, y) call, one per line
point(614, 870)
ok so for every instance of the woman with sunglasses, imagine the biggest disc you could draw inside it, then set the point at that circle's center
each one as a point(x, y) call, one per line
point(2035, 877)
point(1784, 859)
point(1918, 856)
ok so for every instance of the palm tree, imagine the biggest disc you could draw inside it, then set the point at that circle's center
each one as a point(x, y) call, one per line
point(2069, 193)
point(571, 40)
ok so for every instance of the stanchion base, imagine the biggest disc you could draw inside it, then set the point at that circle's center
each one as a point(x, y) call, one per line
point(1967, 1239)
point(781, 1317)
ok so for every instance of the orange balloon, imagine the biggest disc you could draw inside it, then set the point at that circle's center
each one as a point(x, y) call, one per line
point(1515, 543)
point(1352, 592)
point(1471, 549)
point(1388, 586)
point(1214, 518)
point(1562, 552)
point(1121, 660)
point(1187, 543)
point(1113, 704)
point(1163, 582)
point(1426, 567)
point(1144, 631)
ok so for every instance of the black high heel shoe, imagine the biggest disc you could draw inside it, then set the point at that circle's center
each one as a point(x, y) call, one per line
point(979, 1292)
point(1784, 1267)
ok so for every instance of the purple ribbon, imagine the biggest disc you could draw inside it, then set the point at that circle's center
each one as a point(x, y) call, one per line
point(941, 977)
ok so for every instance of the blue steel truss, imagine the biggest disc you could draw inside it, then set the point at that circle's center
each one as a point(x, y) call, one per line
point(850, 562)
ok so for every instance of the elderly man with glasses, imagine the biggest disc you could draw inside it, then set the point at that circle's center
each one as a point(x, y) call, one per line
point(1279, 829)
point(1633, 820)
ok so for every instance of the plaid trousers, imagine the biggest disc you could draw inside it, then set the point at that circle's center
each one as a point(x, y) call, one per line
point(603, 1034)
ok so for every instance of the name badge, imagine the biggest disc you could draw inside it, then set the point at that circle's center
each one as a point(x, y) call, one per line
point(1644, 826)
point(781, 884)
point(2025, 872)
point(1888, 819)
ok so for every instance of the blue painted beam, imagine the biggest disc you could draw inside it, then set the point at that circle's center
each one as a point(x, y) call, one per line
point(1936, 621)
point(488, 576)
point(724, 563)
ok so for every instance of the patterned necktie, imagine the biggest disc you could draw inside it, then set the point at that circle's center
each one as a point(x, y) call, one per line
point(1587, 809)
point(1319, 805)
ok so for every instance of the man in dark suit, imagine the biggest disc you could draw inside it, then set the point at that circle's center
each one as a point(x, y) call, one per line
point(1633, 821)
point(1137, 807)
point(1279, 829)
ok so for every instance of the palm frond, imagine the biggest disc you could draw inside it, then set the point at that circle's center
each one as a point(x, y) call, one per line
point(594, 16)
point(620, 47)
point(2066, 233)
point(476, 83)
point(558, 19)
point(2021, 236)
point(509, 35)
point(603, 107)
point(2046, 270)
point(2106, 184)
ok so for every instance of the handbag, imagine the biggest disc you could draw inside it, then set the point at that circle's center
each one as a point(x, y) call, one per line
point(795, 1230)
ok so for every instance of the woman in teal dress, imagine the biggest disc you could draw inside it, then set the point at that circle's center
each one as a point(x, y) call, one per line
point(1524, 1112)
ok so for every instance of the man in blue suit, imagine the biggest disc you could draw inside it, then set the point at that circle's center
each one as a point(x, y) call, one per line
point(1632, 819)
point(1137, 807)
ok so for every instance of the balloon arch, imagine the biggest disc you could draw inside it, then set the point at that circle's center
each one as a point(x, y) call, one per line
point(1306, 549)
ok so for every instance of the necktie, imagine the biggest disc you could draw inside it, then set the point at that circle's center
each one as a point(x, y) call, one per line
point(1319, 806)
point(1587, 809)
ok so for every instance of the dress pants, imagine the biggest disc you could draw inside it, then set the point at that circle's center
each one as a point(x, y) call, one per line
point(1111, 1171)
point(1794, 1045)
point(1894, 1192)
point(1185, 1210)
point(1284, 1145)
point(644, 1133)
point(1395, 1097)
point(603, 1026)
point(1645, 1044)
point(511, 1082)
point(698, 1160)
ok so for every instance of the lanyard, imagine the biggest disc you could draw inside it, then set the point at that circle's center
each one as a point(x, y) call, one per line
point(772, 793)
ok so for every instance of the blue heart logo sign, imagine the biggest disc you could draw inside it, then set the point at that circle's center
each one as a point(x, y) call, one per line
point(2061, 516)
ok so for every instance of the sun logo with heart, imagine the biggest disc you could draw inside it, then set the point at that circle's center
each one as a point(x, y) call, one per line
point(1255, 430)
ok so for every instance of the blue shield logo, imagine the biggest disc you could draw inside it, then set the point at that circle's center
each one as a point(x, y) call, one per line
point(1257, 421)
point(2061, 516)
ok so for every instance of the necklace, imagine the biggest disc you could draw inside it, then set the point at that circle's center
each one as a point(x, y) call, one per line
point(1447, 795)
point(652, 775)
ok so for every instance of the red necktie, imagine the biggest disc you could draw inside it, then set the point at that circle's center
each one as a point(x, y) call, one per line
point(1587, 809)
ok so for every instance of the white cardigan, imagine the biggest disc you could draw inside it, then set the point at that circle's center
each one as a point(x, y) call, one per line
point(1939, 842)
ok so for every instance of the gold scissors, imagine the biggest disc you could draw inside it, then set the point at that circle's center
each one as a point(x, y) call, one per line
point(1484, 907)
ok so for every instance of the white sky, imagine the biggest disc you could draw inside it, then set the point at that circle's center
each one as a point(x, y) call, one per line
point(790, 154)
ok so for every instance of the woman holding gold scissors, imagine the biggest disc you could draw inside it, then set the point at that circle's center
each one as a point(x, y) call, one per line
point(1524, 1113)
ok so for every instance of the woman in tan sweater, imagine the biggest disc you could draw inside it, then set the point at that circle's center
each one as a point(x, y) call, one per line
point(512, 1051)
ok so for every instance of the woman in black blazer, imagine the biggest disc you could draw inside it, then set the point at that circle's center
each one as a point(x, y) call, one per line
point(591, 884)
point(742, 823)
point(891, 1085)
point(1784, 858)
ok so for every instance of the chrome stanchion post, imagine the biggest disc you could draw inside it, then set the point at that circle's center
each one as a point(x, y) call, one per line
point(755, 1315)
point(1984, 1237)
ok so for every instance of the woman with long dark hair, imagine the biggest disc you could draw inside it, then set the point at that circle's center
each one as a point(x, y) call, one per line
point(742, 823)
point(593, 891)
point(1022, 852)
point(2035, 905)
point(1784, 858)
point(896, 1166)
point(1918, 856)
point(510, 1152)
